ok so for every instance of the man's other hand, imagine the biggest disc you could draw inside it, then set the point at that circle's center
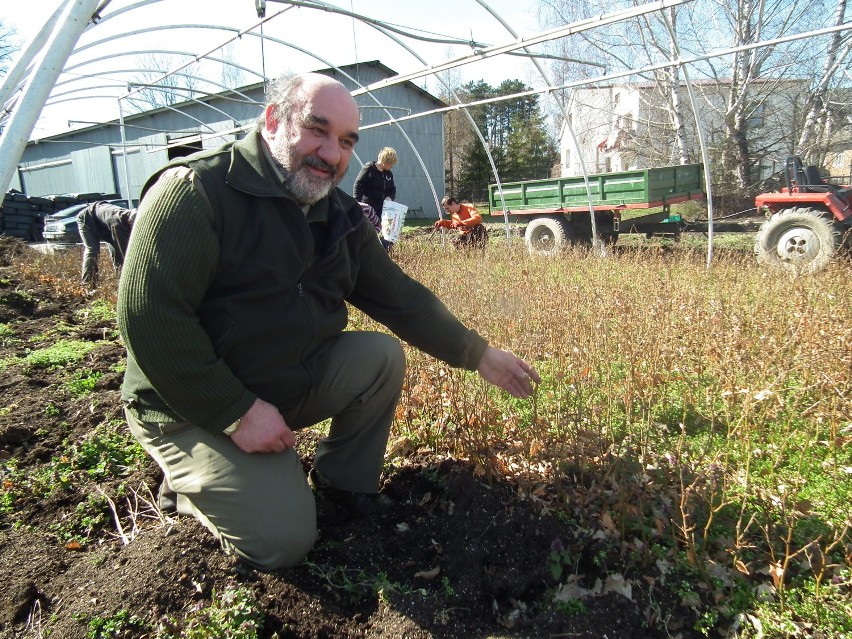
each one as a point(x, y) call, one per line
point(507, 371)
point(263, 430)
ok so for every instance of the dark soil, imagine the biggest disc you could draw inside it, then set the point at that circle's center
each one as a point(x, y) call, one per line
point(461, 556)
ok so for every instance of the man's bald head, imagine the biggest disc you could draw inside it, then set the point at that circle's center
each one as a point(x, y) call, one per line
point(311, 126)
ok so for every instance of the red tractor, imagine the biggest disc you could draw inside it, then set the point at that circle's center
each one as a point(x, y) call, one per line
point(810, 221)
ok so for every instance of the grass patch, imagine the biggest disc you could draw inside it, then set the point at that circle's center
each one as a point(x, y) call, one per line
point(234, 613)
point(59, 354)
point(83, 383)
point(108, 452)
point(100, 311)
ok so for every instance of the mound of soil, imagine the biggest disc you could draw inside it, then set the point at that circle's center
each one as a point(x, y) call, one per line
point(460, 556)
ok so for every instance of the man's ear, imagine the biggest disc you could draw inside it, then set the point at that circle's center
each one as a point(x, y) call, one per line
point(271, 121)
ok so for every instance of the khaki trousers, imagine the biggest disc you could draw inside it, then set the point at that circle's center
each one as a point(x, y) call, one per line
point(260, 505)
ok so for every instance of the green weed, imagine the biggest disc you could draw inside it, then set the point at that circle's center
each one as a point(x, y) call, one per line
point(87, 518)
point(59, 354)
point(83, 382)
point(7, 362)
point(358, 583)
point(106, 453)
point(234, 613)
point(6, 332)
point(571, 608)
point(99, 311)
point(119, 625)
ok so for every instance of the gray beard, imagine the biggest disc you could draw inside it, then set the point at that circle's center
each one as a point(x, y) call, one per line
point(307, 188)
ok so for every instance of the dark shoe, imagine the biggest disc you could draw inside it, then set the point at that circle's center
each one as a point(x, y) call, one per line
point(354, 503)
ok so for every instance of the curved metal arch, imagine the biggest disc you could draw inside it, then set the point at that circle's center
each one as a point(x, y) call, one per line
point(143, 3)
point(37, 87)
point(330, 65)
point(471, 121)
point(165, 51)
point(110, 72)
point(501, 49)
point(263, 38)
point(705, 157)
point(324, 6)
point(52, 101)
point(567, 121)
point(23, 65)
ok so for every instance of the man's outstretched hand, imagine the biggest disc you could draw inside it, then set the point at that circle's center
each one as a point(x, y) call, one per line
point(263, 430)
point(507, 371)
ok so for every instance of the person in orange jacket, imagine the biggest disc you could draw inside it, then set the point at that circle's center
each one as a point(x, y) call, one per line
point(467, 219)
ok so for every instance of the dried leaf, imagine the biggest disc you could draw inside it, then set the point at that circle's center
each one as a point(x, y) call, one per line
point(776, 571)
point(567, 592)
point(618, 584)
point(804, 506)
point(608, 523)
point(428, 575)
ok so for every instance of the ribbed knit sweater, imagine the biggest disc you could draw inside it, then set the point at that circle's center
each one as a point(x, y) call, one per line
point(231, 292)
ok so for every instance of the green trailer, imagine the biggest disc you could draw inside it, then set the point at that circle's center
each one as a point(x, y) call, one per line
point(559, 210)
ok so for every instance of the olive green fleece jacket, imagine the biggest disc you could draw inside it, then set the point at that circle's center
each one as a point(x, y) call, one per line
point(231, 292)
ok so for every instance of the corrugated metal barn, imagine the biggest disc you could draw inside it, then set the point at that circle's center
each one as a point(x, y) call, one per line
point(93, 159)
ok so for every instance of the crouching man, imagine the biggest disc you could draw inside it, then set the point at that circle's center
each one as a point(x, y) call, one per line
point(233, 303)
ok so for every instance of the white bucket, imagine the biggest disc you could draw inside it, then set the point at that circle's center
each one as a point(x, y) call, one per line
point(393, 217)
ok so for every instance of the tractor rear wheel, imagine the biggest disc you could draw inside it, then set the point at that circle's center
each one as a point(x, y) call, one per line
point(546, 235)
point(798, 240)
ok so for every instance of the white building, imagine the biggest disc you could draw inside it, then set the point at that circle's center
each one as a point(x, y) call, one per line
point(625, 126)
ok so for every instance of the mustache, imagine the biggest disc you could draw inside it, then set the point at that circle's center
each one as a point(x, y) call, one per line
point(322, 165)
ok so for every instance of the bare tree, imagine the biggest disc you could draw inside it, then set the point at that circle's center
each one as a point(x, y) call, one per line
point(754, 78)
point(8, 46)
point(741, 91)
point(457, 128)
point(232, 75)
point(819, 108)
point(157, 91)
point(643, 41)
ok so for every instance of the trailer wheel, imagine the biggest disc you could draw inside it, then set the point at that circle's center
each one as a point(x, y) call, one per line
point(546, 235)
point(797, 240)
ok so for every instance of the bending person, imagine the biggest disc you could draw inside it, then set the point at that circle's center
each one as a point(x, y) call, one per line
point(103, 222)
point(467, 220)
